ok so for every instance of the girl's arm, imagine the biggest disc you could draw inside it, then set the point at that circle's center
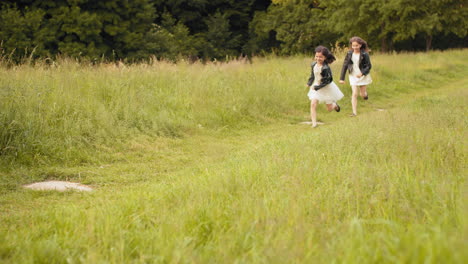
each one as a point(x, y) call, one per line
point(312, 77)
point(327, 78)
point(345, 66)
point(366, 64)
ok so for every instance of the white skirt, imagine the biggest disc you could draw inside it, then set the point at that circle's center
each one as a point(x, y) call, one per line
point(363, 80)
point(328, 94)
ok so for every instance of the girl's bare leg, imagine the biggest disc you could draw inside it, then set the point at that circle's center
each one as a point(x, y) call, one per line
point(363, 90)
point(313, 111)
point(331, 107)
point(354, 99)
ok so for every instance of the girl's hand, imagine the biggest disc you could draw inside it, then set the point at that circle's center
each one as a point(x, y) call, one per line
point(307, 86)
point(341, 81)
point(359, 75)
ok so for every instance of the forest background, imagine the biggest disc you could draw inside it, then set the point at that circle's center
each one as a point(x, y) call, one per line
point(139, 30)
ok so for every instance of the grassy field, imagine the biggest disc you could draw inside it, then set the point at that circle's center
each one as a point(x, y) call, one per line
point(200, 163)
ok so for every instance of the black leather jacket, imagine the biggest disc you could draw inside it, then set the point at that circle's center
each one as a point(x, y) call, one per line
point(326, 74)
point(364, 64)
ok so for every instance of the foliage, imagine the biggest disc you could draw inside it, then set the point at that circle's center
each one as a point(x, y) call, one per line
point(219, 37)
point(90, 29)
point(425, 18)
point(23, 32)
point(220, 29)
point(297, 27)
point(384, 23)
point(171, 40)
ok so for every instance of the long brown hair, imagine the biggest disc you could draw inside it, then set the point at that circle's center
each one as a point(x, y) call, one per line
point(329, 57)
point(364, 46)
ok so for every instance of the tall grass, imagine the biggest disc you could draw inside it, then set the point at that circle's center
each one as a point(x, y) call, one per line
point(56, 114)
point(385, 187)
point(67, 112)
point(206, 164)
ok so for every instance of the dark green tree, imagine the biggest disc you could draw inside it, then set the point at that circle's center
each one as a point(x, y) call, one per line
point(384, 23)
point(76, 32)
point(124, 25)
point(292, 26)
point(22, 32)
point(201, 18)
point(171, 40)
point(429, 18)
point(137, 29)
point(85, 28)
point(369, 19)
point(221, 41)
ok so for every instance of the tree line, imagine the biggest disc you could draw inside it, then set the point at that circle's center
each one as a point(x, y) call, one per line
point(216, 29)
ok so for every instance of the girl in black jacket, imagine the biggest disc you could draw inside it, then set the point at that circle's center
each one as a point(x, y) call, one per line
point(357, 63)
point(321, 85)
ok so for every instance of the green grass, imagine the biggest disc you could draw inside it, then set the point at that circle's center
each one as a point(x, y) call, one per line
point(253, 186)
point(68, 113)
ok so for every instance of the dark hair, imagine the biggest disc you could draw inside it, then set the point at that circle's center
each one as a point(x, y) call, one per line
point(329, 58)
point(364, 46)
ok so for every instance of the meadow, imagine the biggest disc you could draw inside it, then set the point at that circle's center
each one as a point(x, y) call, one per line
point(207, 163)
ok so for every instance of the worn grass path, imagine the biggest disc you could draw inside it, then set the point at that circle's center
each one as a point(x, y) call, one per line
point(385, 187)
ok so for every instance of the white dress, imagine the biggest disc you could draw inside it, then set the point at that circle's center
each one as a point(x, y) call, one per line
point(358, 81)
point(328, 94)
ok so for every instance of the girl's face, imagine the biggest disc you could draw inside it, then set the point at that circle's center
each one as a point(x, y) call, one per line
point(319, 58)
point(356, 46)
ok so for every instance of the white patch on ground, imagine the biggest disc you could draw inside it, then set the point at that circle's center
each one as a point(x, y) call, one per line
point(310, 123)
point(60, 186)
point(379, 109)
